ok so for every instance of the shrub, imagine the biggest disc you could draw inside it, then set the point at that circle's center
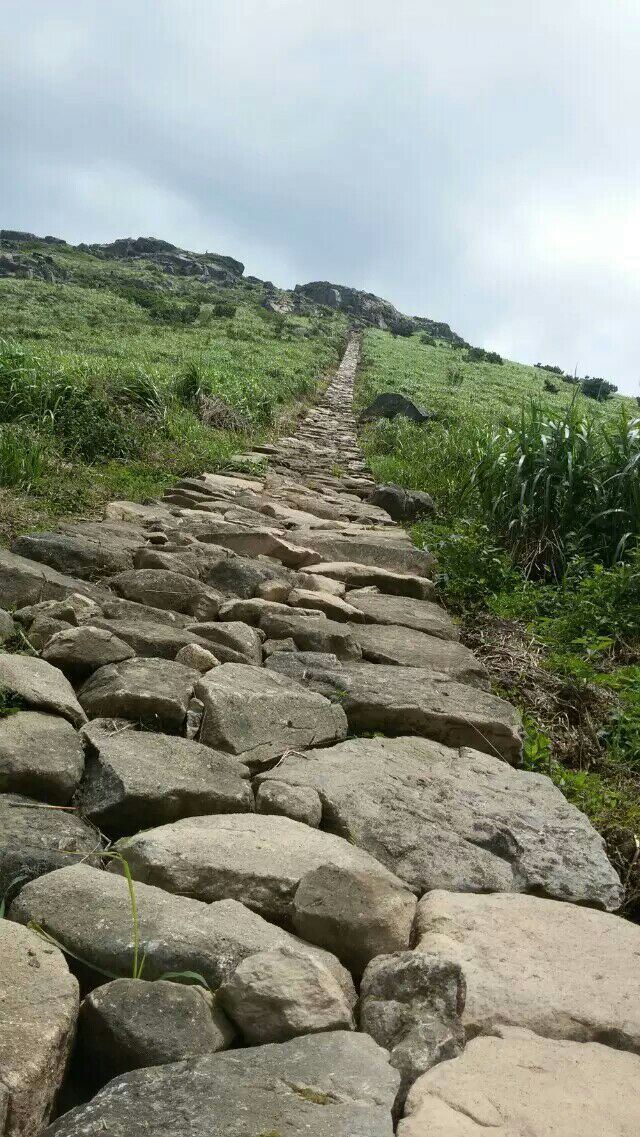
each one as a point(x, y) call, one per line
point(555, 370)
point(160, 307)
point(427, 339)
point(479, 355)
point(595, 388)
point(402, 326)
point(472, 567)
point(223, 308)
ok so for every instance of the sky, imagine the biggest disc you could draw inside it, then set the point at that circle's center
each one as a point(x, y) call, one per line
point(475, 161)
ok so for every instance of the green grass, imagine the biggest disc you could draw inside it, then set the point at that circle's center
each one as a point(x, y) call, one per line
point(536, 535)
point(96, 388)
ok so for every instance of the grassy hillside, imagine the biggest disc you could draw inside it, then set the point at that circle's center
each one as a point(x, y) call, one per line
point(101, 378)
point(537, 535)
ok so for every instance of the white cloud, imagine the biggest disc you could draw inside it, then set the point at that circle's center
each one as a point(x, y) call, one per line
point(475, 162)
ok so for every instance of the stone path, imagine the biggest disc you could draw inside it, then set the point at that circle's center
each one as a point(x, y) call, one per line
point(248, 693)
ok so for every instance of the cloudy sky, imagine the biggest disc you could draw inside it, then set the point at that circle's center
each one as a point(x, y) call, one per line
point(476, 161)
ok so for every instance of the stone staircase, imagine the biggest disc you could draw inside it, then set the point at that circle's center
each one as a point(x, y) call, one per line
point(249, 751)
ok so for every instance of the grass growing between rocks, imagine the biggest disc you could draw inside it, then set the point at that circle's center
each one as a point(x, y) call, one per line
point(100, 395)
point(537, 536)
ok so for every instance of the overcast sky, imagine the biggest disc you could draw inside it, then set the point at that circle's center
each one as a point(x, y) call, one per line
point(476, 161)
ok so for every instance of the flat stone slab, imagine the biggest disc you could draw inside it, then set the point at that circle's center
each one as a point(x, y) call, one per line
point(355, 575)
point(309, 633)
point(161, 588)
point(413, 700)
point(406, 647)
point(338, 1084)
point(518, 1083)
point(41, 755)
point(77, 553)
point(560, 970)
point(154, 692)
point(256, 857)
point(393, 552)
point(88, 911)
point(149, 639)
point(135, 780)
point(37, 684)
point(38, 1012)
point(423, 615)
point(257, 714)
point(454, 818)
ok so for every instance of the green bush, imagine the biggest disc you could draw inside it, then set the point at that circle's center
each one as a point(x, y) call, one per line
point(471, 566)
point(599, 389)
point(428, 340)
point(224, 309)
point(160, 307)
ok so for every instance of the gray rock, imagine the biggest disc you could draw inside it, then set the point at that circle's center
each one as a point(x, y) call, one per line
point(518, 1083)
point(393, 552)
point(135, 780)
point(88, 911)
point(75, 609)
point(258, 715)
point(332, 606)
point(160, 588)
point(337, 1084)
point(251, 611)
point(405, 647)
point(129, 1024)
point(24, 581)
point(37, 684)
point(353, 912)
point(40, 755)
point(260, 858)
point(356, 575)
point(76, 554)
point(401, 700)
point(78, 652)
point(151, 640)
point(43, 628)
point(232, 641)
point(185, 561)
point(154, 692)
point(298, 664)
point(275, 995)
point(456, 819)
point(390, 405)
point(301, 803)
point(411, 1004)
point(242, 576)
point(401, 504)
point(558, 969)
point(115, 608)
point(422, 615)
point(200, 658)
point(312, 634)
point(39, 1001)
point(271, 646)
point(7, 626)
point(36, 839)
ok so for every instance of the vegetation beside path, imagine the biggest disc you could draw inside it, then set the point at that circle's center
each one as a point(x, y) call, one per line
point(100, 384)
point(537, 535)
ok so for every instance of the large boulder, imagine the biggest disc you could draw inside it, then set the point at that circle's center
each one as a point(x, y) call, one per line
point(275, 995)
point(402, 700)
point(558, 969)
point(518, 1083)
point(455, 818)
point(128, 1024)
point(41, 755)
point(353, 912)
point(258, 715)
point(232, 641)
point(77, 554)
point(38, 1011)
point(161, 588)
point(338, 1084)
point(315, 633)
point(423, 615)
point(154, 692)
point(150, 639)
point(390, 405)
point(89, 912)
point(392, 551)
point(35, 683)
point(35, 840)
point(135, 780)
point(24, 581)
point(405, 647)
point(256, 858)
point(78, 652)
point(356, 575)
point(402, 504)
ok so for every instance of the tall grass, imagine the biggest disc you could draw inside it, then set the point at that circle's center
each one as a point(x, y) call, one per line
point(559, 486)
